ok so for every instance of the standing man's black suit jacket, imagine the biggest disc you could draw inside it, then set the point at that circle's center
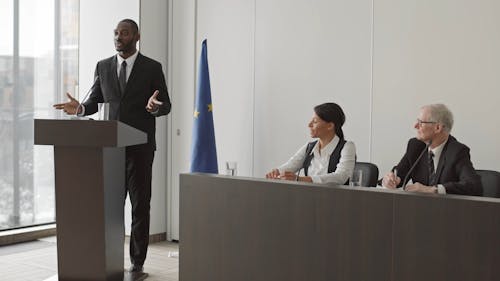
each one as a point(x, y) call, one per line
point(454, 171)
point(130, 107)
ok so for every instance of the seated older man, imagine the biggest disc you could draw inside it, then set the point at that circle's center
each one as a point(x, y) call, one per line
point(441, 163)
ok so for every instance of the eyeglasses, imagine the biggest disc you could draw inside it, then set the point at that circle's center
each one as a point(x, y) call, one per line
point(420, 122)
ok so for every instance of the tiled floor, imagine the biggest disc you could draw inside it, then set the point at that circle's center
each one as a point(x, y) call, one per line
point(37, 261)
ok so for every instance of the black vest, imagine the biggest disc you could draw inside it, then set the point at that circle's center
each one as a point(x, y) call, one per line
point(334, 157)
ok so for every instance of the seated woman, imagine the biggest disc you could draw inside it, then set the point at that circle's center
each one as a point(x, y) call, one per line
point(329, 159)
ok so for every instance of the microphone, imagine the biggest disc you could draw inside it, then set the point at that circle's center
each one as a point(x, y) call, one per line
point(298, 174)
point(415, 163)
point(96, 79)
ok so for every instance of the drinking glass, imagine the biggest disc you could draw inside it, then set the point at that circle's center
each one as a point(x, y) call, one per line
point(356, 178)
point(231, 167)
point(103, 111)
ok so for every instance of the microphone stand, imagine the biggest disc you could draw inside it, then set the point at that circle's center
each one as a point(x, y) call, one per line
point(415, 164)
point(86, 95)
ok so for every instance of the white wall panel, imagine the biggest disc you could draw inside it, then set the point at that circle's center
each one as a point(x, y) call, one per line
point(182, 87)
point(228, 26)
point(153, 43)
point(436, 51)
point(308, 53)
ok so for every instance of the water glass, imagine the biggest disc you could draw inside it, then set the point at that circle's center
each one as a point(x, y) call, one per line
point(356, 178)
point(231, 167)
point(103, 111)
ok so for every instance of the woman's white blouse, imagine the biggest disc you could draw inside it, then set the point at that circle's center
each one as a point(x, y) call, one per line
point(318, 169)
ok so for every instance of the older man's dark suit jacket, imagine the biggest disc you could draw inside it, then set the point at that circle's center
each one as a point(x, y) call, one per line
point(130, 107)
point(454, 171)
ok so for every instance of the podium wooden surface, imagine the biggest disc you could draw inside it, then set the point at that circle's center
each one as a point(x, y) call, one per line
point(89, 159)
point(235, 228)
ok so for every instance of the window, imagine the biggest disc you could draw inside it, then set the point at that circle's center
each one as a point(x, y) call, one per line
point(38, 64)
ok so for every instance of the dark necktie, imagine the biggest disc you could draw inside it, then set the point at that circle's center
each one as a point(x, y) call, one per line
point(122, 79)
point(431, 167)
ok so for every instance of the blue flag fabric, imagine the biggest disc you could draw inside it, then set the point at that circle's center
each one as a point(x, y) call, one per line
point(203, 150)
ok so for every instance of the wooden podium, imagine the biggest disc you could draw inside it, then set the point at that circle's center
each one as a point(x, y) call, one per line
point(89, 159)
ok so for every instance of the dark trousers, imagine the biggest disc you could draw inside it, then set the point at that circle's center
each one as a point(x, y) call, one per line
point(139, 163)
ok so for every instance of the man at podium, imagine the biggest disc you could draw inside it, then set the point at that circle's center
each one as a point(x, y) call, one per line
point(134, 86)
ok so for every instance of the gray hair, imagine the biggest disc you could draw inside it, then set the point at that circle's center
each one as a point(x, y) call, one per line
point(441, 114)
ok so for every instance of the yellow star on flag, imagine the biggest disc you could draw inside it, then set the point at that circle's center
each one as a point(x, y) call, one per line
point(210, 107)
point(196, 113)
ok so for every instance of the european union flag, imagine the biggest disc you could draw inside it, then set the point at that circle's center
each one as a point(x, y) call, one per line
point(203, 150)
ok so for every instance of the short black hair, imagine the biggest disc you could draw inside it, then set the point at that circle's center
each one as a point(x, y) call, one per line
point(332, 112)
point(134, 25)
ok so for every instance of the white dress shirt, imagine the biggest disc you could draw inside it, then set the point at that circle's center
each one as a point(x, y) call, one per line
point(130, 64)
point(318, 169)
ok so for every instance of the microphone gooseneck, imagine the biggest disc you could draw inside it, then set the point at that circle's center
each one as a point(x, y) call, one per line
point(86, 95)
point(415, 163)
point(298, 174)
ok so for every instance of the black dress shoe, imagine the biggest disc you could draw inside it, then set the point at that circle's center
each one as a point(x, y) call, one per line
point(136, 268)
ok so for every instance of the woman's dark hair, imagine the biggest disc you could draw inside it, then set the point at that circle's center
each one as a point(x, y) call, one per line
point(332, 112)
